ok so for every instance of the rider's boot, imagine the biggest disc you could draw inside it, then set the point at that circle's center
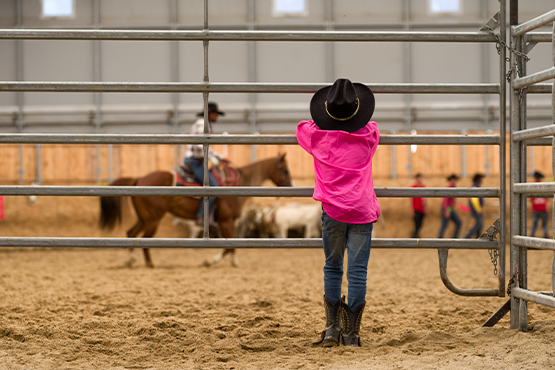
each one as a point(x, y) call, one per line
point(351, 324)
point(331, 335)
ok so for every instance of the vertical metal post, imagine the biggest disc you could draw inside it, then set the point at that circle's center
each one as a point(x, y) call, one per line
point(523, 265)
point(205, 147)
point(174, 71)
point(407, 72)
point(463, 156)
point(329, 52)
point(393, 159)
point(531, 159)
point(97, 76)
point(502, 148)
point(38, 154)
point(19, 96)
point(110, 163)
point(515, 174)
point(487, 165)
point(485, 79)
point(251, 50)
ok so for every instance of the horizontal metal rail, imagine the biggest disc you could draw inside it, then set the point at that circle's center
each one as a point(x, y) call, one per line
point(235, 191)
point(536, 187)
point(534, 243)
point(235, 243)
point(188, 35)
point(531, 296)
point(534, 133)
point(178, 139)
point(540, 142)
point(238, 87)
point(538, 37)
point(534, 78)
point(540, 89)
point(533, 24)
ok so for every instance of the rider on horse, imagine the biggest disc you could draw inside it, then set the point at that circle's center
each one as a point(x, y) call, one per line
point(194, 156)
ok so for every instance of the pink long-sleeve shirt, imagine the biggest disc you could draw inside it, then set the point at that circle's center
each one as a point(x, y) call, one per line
point(343, 169)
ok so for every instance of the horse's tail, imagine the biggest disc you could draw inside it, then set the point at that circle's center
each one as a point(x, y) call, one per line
point(110, 206)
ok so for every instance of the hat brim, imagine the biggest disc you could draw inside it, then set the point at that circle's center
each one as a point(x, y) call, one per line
point(201, 114)
point(325, 122)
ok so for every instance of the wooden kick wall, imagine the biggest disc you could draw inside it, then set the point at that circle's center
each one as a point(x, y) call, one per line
point(77, 164)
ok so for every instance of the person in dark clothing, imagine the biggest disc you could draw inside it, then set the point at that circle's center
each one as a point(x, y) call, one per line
point(448, 210)
point(418, 207)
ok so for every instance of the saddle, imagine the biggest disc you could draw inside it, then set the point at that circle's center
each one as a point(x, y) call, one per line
point(223, 173)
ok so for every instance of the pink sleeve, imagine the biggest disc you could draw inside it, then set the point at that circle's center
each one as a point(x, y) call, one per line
point(375, 137)
point(303, 136)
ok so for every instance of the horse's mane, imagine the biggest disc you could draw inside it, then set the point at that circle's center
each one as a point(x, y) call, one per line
point(250, 166)
point(255, 173)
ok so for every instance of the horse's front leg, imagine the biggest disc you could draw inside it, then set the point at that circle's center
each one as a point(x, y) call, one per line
point(132, 258)
point(148, 260)
point(227, 230)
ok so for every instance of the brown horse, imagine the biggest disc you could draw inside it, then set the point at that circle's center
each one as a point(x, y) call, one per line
point(151, 209)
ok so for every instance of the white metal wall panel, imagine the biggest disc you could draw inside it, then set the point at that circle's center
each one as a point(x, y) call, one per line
point(455, 63)
point(134, 13)
point(7, 72)
point(368, 12)
point(371, 63)
point(220, 12)
point(134, 61)
point(57, 60)
point(7, 14)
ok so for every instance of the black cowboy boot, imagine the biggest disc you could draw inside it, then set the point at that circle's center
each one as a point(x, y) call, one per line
point(351, 324)
point(331, 336)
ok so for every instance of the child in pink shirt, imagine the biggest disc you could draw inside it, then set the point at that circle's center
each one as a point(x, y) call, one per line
point(343, 140)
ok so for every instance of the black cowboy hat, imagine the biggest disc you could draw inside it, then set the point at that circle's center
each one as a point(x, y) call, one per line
point(453, 176)
point(538, 175)
point(477, 177)
point(212, 107)
point(343, 106)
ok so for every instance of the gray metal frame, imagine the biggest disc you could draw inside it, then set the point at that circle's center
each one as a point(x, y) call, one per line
point(206, 87)
point(521, 136)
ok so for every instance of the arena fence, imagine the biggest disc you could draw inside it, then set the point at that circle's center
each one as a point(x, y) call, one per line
point(522, 42)
point(487, 35)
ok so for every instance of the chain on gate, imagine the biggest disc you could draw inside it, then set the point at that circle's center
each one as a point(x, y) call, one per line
point(491, 234)
point(500, 43)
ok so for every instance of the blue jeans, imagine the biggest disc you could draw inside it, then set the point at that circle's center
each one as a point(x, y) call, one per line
point(445, 220)
point(539, 216)
point(479, 223)
point(198, 170)
point(357, 238)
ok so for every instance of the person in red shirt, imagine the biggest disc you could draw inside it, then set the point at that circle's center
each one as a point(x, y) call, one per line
point(418, 207)
point(448, 210)
point(539, 209)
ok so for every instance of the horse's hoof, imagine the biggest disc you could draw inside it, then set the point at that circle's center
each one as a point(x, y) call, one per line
point(128, 264)
point(206, 264)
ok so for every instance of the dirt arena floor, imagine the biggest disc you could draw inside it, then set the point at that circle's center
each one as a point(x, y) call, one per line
point(83, 309)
